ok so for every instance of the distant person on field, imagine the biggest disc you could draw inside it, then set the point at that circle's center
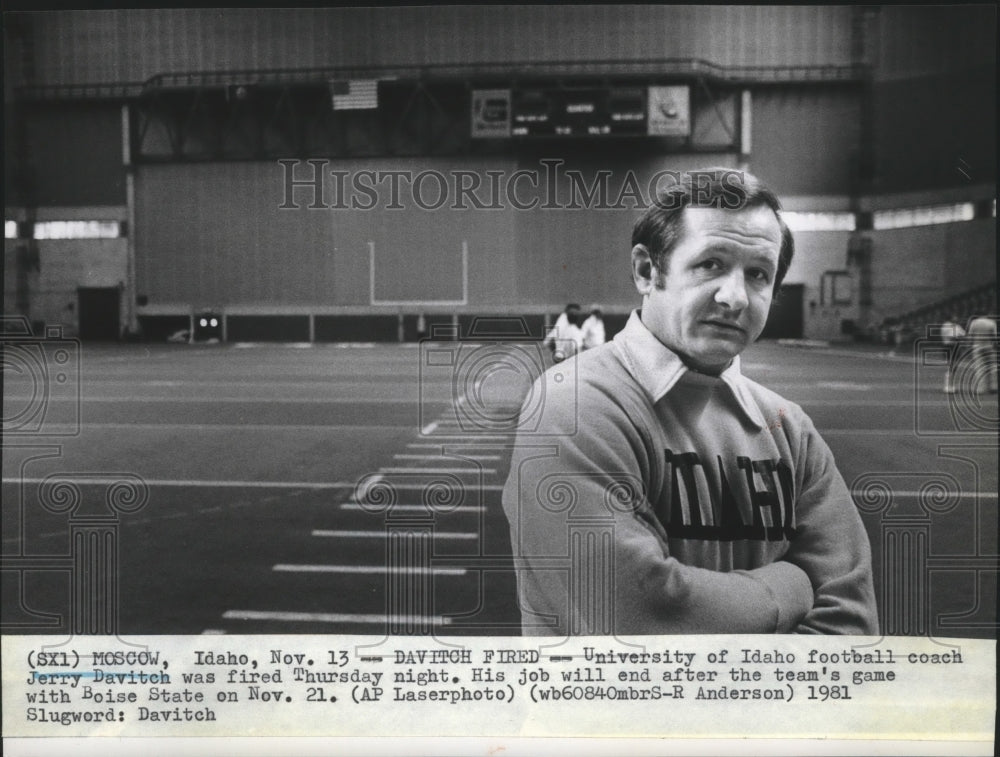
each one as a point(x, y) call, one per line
point(951, 337)
point(566, 339)
point(593, 328)
point(982, 339)
point(658, 490)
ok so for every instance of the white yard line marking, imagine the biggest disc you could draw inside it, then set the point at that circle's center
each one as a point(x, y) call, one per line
point(852, 386)
point(259, 381)
point(96, 480)
point(417, 508)
point(368, 569)
point(474, 446)
point(300, 345)
point(423, 485)
point(230, 400)
point(471, 438)
point(318, 485)
point(918, 403)
point(336, 617)
point(450, 458)
point(926, 434)
point(931, 493)
point(367, 486)
point(382, 534)
point(52, 429)
point(403, 471)
point(432, 445)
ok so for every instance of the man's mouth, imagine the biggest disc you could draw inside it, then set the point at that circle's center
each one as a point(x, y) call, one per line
point(725, 325)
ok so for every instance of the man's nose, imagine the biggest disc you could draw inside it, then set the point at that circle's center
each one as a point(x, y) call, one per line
point(732, 292)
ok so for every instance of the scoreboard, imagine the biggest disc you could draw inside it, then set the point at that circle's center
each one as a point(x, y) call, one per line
point(588, 112)
point(582, 112)
point(579, 112)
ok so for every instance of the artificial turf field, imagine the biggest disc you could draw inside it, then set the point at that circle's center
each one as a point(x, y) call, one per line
point(278, 488)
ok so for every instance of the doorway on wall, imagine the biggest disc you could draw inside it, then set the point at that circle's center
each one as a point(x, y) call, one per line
point(99, 310)
point(785, 319)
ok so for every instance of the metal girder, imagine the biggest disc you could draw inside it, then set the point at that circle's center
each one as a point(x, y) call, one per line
point(688, 68)
point(288, 113)
point(730, 130)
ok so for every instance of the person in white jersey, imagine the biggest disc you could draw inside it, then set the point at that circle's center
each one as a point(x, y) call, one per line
point(982, 338)
point(565, 339)
point(593, 328)
point(951, 337)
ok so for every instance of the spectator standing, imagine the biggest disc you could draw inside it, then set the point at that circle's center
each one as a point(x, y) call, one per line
point(593, 328)
point(982, 339)
point(951, 337)
point(566, 338)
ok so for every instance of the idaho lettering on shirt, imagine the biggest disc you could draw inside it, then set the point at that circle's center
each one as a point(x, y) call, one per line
point(752, 501)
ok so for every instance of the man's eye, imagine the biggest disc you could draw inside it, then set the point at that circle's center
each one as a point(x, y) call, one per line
point(709, 265)
point(760, 275)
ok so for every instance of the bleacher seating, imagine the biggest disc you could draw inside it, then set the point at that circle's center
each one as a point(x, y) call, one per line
point(903, 329)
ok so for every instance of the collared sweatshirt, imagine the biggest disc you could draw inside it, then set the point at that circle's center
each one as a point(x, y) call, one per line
point(644, 498)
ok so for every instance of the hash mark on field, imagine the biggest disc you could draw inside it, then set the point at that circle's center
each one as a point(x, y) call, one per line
point(312, 485)
point(440, 456)
point(401, 471)
point(929, 493)
point(471, 438)
point(848, 385)
point(373, 481)
point(421, 486)
point(104, 481)
point(62, 429)
point(440, 446)
point(367, 569)
point(383, 534)
point(417, 508)
point(241, 400)
point(335, 617)
point(904, 432)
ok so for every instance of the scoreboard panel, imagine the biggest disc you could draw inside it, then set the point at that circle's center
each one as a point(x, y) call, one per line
point(579, 112)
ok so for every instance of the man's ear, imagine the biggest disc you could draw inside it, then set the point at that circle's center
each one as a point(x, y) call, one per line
point(642, 269)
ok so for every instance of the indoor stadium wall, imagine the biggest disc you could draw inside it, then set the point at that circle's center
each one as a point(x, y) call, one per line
point(925, 133)
point(45, 279)
point(70, 168)
point(208, 232)
point(933, 96)
point(805, 140)
point(213, 236)
point(913, 267)
point(72, 47)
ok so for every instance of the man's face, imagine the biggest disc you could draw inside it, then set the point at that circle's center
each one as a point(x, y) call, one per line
point(717, 289)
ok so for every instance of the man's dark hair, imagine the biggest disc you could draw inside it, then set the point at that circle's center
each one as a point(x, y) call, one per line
point(662, 225)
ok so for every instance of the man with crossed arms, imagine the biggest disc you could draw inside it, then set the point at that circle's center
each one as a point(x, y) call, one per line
point(661, 491)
